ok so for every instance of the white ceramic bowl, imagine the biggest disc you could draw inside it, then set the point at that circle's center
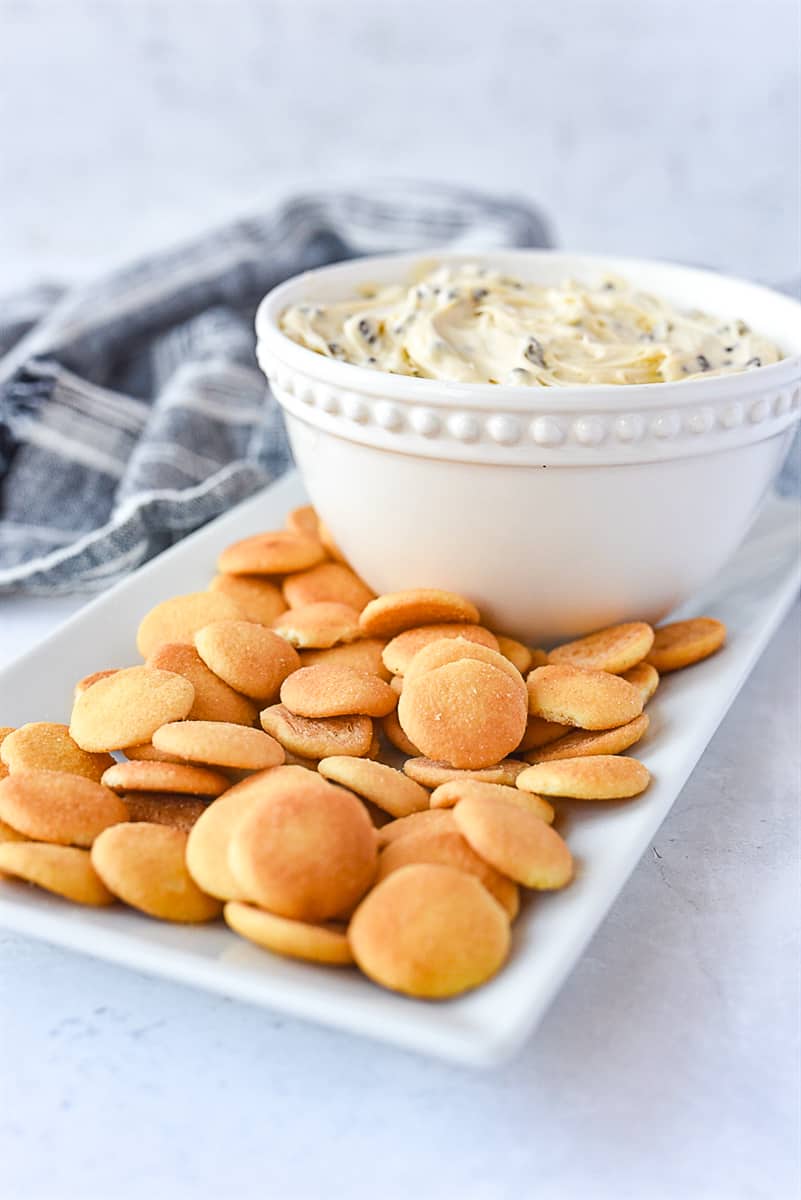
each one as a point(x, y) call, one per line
point(557, 510)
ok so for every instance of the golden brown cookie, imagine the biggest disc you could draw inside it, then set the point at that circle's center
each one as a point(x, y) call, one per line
point(258, 599)
point(589, 699)
point(597, 777)
point(276, 552)
point(293, 939)
point(328, 581)
point(448, 650)
point(519, 656)
point(450, 849)
point(364, 655)
point(448, 795)
point(304, 521)
point(683, 643)
point(149, 753)
point(179, 618)
point(389, 615)
point(583, 742)
point(540, 732)
point(177, 778)
point(400, 651)
point(327, 538)
point(214, 700)
point(385, 787)
point(390, 727)
point(396, 683)
point(218, 744)
point(250, 658)
point(7, 834)
point(46, 746)
point(65, 870)
point(306, 850)
point(310, 737)
point(53, 806)
point(431, 931)
point(335, 691)
point(127, 708)
point(319, 626)
point(210, 837)
point(431, 774)
point(615, 649)
point(466, 713)
point(430, 820)
point(515, 842)
point(645, 678)
point(84, 684)
point(144, 865)
point(165, 808)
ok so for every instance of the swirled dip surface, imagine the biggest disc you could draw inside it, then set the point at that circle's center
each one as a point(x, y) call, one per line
point(472, 325)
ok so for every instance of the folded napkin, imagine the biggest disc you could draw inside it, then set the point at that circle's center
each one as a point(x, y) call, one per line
point(132, 410)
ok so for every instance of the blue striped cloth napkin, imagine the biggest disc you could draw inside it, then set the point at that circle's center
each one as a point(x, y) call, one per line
point(132, 410)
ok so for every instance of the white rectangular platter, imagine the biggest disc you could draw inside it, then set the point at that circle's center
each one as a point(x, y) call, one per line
point(483, 1028)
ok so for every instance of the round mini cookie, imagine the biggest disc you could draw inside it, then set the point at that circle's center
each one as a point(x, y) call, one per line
point(177, 778)
point(645, 678)
point(53, 806)
point(328, 581)
point(293, 939)
point(540, 732)
point(575, 696)
point(179, 618)
point(306, 850)
point(615, 649)
point(319, 626)
point(431, 774)
point(596, 777)
point(304, 521)
point(258, 599)
point(165, 808)
point(392, 731)
point(273, 553)
point(330, 543)
point(683, 643)
point(385, 787)
point(448, 650)
point(250, 658)
point(335, 691)
point(46, 746)
point(84, 684)
point(450, 849)
point(5, 730)
point(64, 870)
point(430, 820)
point(466, 713)
point(363, 655)
point(519, 656)
point(583, 742)
point(391, 614)
point(214, 700)
point(448, 795)
point(312, 737)
point(399, 652)
point(127, 708)
point(209, 839)
point(515, 842)
point(430, 931)
point(219, 744)
point(149, 753)
point(144, 865)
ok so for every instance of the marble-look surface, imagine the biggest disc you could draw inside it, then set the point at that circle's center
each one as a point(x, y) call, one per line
point(668, 129)
point(667, 1066)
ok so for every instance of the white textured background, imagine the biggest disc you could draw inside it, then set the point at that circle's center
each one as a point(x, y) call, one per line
point(667, 127)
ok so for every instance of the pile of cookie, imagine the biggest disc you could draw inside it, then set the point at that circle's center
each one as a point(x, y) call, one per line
point(343, 777)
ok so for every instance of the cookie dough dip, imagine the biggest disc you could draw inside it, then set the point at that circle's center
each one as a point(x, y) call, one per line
point(472, 325)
